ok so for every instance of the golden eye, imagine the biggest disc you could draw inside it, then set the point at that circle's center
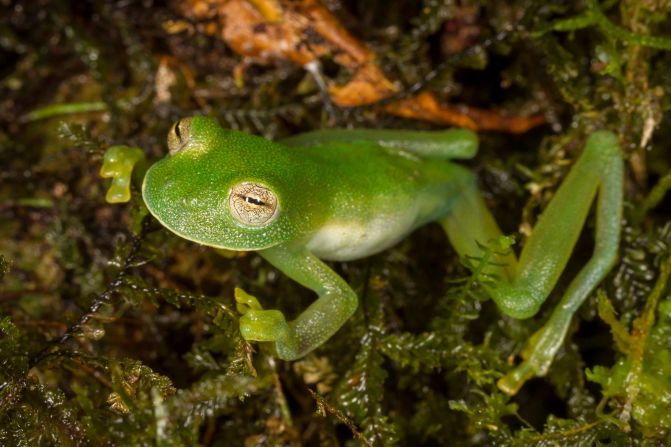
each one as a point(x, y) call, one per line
point(179, 135)
point(253, 204)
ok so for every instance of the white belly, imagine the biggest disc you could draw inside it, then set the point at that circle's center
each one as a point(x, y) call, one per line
point(347, 240)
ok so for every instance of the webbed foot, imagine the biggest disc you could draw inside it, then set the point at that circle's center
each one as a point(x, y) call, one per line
point(118, 165)
point(537, 357)
point(257, 324)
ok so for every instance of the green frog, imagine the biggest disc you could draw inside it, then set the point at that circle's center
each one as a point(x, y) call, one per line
point(339, 195)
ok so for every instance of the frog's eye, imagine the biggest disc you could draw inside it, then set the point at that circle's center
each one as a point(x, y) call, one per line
point(253, 204)
point(179, 135)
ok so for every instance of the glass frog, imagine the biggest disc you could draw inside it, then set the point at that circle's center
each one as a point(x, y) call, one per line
point(339, 195)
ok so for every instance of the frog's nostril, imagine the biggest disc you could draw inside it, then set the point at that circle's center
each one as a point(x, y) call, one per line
point(191, 202)
point(168, 185)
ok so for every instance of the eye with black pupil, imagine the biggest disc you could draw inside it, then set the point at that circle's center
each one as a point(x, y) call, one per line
point(253, 204)
point(178, 132)
point(253, 200)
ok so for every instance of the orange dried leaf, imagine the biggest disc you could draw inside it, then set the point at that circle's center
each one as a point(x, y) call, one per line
point(427, 107)
point(369, 85)
point(303, 31)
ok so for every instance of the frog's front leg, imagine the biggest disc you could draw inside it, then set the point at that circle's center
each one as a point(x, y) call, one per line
point(336, 303)
point(599, 170)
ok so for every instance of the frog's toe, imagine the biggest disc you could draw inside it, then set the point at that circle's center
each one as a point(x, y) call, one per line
point(118, 165)
point(264, 325)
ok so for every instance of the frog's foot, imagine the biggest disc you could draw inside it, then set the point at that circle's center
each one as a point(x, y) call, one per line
point(513, 381)
point(264, 325)
point(257, 324)
point(538, 356)
point(118, 165)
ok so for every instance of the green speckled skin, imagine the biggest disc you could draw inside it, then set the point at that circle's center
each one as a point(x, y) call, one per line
point(339, 195)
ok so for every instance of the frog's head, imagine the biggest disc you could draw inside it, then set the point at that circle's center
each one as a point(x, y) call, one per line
point(220, 187)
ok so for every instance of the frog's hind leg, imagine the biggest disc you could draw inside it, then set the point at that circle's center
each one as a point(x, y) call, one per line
point(470, 227)
point(441, 144)
point(599, 171)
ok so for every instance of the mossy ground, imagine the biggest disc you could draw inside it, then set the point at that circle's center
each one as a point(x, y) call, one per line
point(160, 361)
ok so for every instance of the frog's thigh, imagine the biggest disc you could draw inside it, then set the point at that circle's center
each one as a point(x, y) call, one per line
point(442, 144)
point(335, 304)
point(470, 226)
